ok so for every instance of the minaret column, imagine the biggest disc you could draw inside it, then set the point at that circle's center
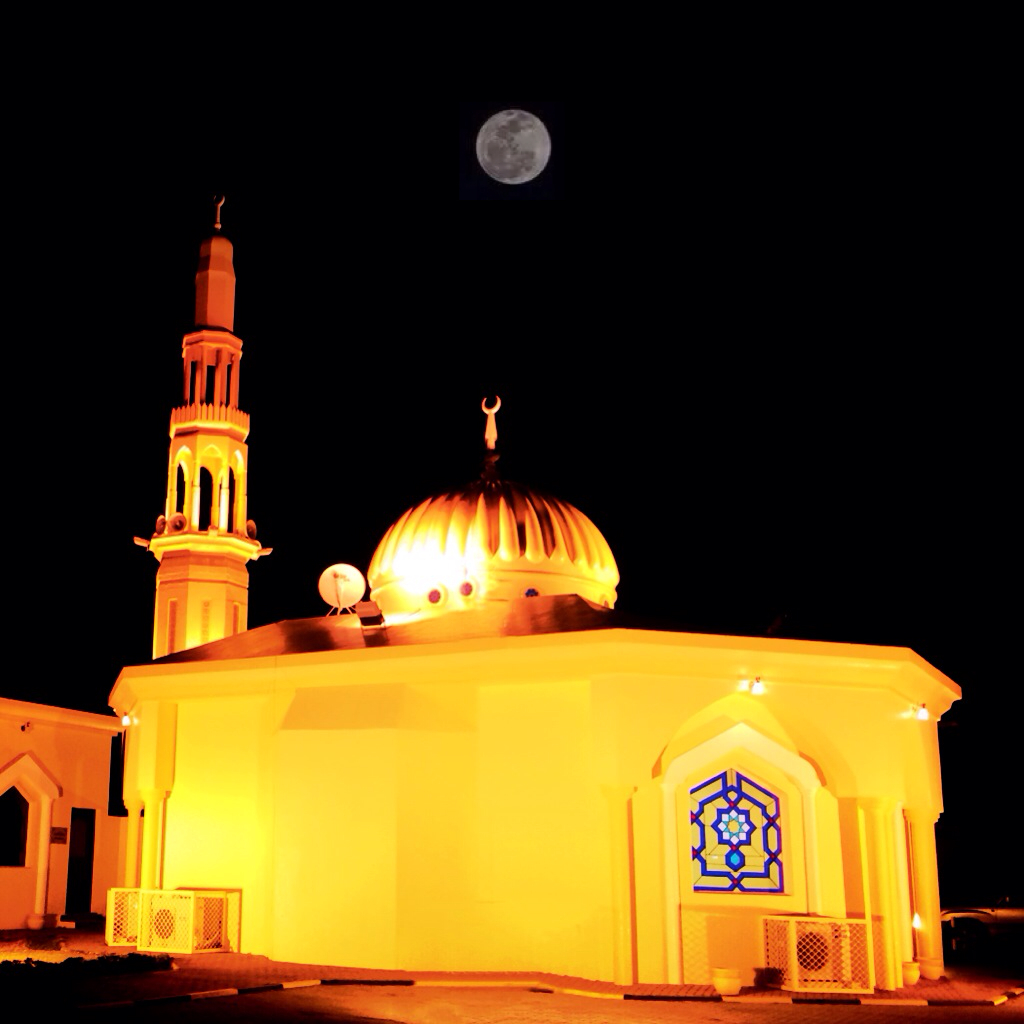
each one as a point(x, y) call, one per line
point(203, 577)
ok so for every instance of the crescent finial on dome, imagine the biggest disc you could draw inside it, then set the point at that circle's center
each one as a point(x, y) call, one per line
point(491, 431)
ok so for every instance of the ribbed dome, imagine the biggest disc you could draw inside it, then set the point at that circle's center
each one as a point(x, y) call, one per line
point(493, 540)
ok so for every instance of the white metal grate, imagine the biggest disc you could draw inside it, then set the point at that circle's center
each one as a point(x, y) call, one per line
point(819, 954)
point(174, 920)
point(217, 919)
point(122, 927)
point(166, 921)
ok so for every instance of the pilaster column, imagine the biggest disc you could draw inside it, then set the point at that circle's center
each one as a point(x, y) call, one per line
point(878, 818)
point(925, 873)
point(37, 917)
point(131, 853)
point(673, 906)
point(623, 954)
point(811, 850)
point(153, 839)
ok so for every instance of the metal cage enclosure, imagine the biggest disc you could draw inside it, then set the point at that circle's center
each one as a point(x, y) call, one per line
point(819, 954)
point(174, 920)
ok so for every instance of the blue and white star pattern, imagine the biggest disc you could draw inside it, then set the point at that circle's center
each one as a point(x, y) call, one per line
point(736, 836)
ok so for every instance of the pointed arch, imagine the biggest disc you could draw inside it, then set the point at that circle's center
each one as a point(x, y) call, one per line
point(716, 719)
point(738, 746)
point(36, 784)
point(238, 494)
point(204, 513)
point(31, 776)
point(13, 828)
point(180, 489)
point(231, 501)
point(180, 498)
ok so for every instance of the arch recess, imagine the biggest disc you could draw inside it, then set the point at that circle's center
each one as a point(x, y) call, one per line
point(739, 737)
point(40, 787)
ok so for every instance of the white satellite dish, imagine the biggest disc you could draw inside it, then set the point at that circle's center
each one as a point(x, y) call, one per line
point(341, 586)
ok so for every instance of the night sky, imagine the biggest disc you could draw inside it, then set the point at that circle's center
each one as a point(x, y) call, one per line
point(773, 378)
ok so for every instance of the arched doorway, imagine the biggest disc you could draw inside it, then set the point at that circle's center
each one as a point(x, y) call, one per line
point(739, 832)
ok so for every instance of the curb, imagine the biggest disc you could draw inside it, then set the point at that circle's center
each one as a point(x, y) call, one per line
point(541, 987)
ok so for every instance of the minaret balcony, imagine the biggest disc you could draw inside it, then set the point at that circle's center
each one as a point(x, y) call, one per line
point(208, 542)
point(220, 418)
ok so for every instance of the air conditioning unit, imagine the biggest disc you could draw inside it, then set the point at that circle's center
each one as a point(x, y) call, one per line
point(165, 921)
point(175, 920)
point(122, 926)
point(217, 919)
point(819, 954)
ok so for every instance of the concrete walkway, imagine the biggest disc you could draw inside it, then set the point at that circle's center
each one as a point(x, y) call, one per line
point(207, 975)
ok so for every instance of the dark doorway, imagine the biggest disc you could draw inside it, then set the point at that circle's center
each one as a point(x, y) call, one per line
point(80, 855)
point(13, 828)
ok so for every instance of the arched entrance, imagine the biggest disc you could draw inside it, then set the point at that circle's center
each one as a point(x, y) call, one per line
point(36, 785)
point(742, 783)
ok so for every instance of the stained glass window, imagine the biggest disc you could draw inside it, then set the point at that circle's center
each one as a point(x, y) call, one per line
point(736, 839)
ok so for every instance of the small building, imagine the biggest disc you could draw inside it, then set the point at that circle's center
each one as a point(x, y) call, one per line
point(489, 768)
point(61, 820)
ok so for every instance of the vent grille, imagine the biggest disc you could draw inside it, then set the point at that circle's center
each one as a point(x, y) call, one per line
point(814, 954)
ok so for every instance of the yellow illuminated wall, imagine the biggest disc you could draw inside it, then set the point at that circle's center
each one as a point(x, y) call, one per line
point(520, 803)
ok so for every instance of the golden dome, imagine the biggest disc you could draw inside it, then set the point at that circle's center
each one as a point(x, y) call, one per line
point(493, 540)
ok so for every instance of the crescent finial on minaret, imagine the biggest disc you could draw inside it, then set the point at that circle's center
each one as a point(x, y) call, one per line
point(491, 431)
point(219, 200)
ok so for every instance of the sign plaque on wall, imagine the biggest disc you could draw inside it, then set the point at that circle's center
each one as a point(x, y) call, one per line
point(59, 836)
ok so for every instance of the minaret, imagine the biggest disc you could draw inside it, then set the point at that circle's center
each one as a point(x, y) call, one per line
point(203, 539)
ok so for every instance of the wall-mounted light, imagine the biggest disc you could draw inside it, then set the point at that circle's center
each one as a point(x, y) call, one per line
point(126, 719)
point(754, 686)
point(921, 713)
point(916, 923)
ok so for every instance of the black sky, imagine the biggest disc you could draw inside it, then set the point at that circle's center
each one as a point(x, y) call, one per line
point(755, 442)
point(770, 367)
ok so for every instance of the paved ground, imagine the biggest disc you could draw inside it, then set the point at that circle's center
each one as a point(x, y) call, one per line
point(229, 974)
point(417, 1005)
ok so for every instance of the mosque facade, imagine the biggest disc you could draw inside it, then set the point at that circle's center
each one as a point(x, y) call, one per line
point(488, 768)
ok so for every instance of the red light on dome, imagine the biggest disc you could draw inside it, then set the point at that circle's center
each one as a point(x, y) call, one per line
point(434, 596)
point(466, 589)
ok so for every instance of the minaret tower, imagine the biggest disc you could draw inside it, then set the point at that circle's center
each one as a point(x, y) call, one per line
point(203, 539)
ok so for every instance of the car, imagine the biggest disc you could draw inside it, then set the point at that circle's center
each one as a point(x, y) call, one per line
point(992, 929)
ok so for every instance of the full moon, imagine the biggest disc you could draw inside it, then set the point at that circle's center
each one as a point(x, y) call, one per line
point(513, 146)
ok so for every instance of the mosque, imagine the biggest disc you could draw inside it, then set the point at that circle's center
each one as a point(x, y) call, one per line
point(485, 767)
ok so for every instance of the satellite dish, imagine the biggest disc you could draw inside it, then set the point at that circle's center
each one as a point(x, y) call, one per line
point(341, 586)
point(178, 522)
